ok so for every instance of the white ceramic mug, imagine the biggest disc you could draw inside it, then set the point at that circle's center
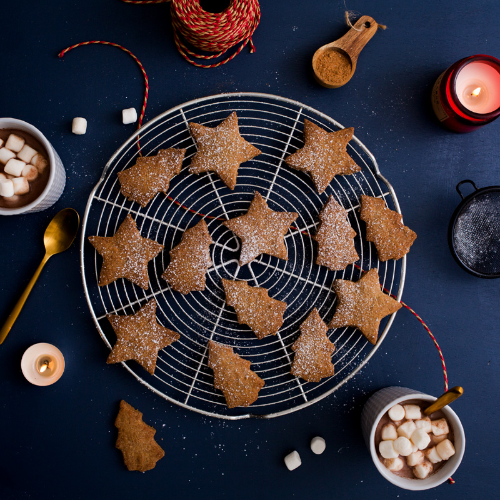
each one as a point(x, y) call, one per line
point(373, 411)
point(57, 175)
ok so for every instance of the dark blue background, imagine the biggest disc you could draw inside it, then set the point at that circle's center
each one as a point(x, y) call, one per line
point(58, 442)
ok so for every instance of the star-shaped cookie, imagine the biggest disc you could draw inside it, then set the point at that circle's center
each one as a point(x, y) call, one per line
point(189, 260)
point(221, 150)
point(385, 228)
point(125, 255)
point(313, 350)
point(254, 307)
point(335, 238)
point(324, 155)
point(151, 175)
point(232, 375)
point(136, 440)
point(140, 337)
point(362, 304)
point(261, 230)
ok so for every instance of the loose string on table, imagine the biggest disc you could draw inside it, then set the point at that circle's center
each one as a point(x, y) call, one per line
point(210, 31)
point(146, 81)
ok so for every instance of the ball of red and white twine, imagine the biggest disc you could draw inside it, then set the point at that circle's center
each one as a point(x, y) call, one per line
point(209, 31)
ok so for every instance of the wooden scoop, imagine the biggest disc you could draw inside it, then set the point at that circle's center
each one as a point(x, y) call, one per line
point(349, 47)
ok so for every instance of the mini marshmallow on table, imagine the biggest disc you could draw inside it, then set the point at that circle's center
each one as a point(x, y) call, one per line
point(79, 126)
point(129, 116)
point(318, 445)
point(292, 460)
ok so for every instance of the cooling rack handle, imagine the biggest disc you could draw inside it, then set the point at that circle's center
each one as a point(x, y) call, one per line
point(463, 182)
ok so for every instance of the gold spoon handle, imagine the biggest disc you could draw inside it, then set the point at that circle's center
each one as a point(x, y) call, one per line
point(444, 400)
point(20, 303)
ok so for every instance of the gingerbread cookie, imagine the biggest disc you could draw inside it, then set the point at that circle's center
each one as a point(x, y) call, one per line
point(254, 307)
point(313, 350)
point(136, 440)
point(385, 228)
point(189, 260)
point(151, 175)
point(221, 150)
point(261, 230)
point(125, 255)
point(232, 375)
point(362, 304)
point(324, 155)
point(140, 337)
point(335, 238)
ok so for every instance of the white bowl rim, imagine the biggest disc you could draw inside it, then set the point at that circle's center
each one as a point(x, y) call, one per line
point(50, 151)
point(439, 477)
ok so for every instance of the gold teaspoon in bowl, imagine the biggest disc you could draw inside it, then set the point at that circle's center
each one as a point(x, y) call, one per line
point(59, 236)
point(335, 63)
point(444, 400)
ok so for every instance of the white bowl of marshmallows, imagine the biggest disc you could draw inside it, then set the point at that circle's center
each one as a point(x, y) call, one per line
point(409, 449)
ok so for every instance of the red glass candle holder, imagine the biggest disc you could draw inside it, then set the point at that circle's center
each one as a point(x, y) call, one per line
point(448, 104)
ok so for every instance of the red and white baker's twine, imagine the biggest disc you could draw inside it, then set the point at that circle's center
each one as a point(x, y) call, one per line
point(209, 31)
point(146, 81)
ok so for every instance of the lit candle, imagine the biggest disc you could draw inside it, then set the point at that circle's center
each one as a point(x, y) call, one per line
point(42, 364)
point(467, 95)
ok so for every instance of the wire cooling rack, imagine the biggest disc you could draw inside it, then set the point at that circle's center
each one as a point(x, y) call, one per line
point(275, 125)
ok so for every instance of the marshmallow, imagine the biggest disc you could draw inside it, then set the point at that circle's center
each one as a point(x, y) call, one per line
point(421, 439)
point(40, 162)
point(6, 155)
point(6, 188)
point(292, 460)
point(421, 471)
point(424, 424)
point(21, 185)
point(403, 446)
point(386, 449)
point(1, 143)
point(389, 432)
point(14, 167)
point(432, 455)
point(440, 427)
point(397, 412)
point(129, 116)
point(79, 126)
point(27, 153)
point(445, 449)
point(318, 445)
point(415, 458)
point(2, 176)
point(407, 429)
point(412, 412)
point(394, 464)
point(437, 439)
point(14, 143)
point(30, 172)
point(414, 447)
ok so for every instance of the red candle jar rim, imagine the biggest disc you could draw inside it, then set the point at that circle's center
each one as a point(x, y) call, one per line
point(456, 101)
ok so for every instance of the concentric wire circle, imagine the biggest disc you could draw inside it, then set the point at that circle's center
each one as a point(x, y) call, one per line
point(274, 125)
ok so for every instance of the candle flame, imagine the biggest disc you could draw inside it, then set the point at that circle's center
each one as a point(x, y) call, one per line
point(476, 92)
point(44, 366)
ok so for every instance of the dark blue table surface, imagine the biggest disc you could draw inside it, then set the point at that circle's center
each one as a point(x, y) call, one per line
point(58, 442)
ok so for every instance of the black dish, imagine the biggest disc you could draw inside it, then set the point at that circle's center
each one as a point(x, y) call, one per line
point(474, 231)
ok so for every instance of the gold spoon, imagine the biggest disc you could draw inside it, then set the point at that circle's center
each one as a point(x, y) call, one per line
point(444, 400)
point(59, 236)
point(348, 48)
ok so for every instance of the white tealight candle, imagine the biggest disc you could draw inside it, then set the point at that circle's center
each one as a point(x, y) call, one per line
point(478, 87)
point(42, 364)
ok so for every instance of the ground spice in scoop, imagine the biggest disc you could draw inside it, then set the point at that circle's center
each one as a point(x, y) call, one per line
point(333, 67)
